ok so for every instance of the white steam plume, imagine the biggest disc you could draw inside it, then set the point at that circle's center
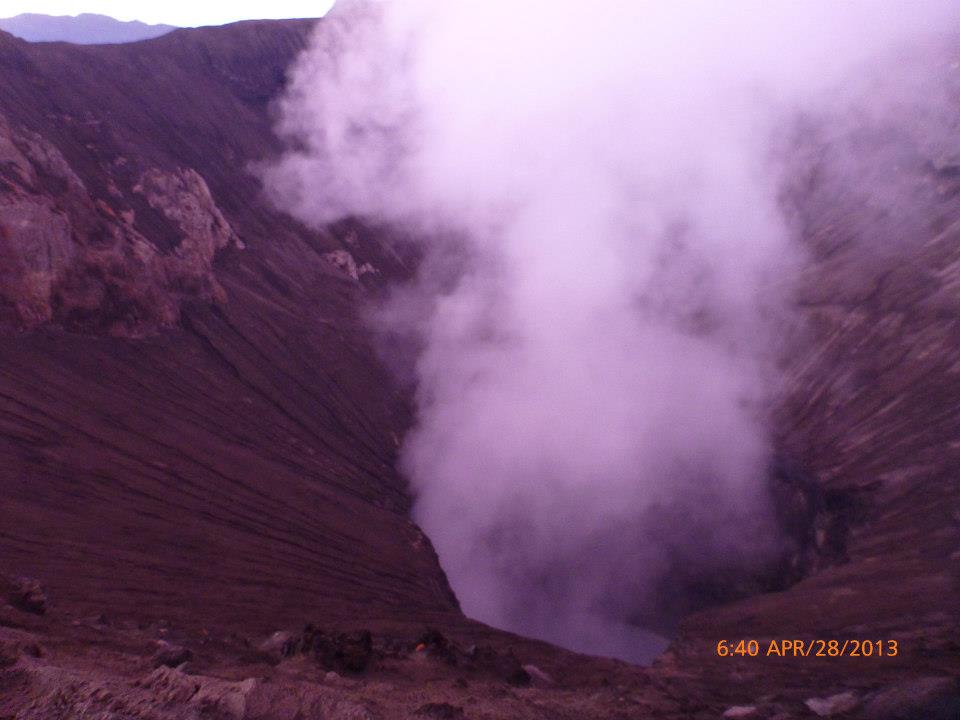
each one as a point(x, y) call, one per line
point(592, 385)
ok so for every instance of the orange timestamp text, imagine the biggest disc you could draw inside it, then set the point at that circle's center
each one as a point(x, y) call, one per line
point(808, 648)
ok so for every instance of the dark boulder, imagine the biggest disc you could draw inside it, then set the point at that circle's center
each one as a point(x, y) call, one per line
point(171, 656)
point(25, 594)
point(342, 652)
point(502, 665)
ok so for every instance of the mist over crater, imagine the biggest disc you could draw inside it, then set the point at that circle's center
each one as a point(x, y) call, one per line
point(608, 276)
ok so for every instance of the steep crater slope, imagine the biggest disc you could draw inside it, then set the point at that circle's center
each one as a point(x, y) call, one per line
point(868, 429)
point(192, 423)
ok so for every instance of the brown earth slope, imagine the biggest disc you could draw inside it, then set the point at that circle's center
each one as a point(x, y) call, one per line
point(197, 443)
point(192, 419)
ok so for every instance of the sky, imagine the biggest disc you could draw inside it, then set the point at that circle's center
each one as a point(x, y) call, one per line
point(183, 13)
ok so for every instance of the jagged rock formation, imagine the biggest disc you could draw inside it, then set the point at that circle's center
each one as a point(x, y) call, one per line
point(83, 263)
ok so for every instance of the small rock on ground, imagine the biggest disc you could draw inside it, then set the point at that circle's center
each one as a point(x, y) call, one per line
point(833, 705)
point(740, 711)
point(275, 643)
point(537, 676)
point(171, 656)
point(27, 595)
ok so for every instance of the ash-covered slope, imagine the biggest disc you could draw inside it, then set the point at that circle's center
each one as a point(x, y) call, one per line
point(869, 426)
point(192, 422)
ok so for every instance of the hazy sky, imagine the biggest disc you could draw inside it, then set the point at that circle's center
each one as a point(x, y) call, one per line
point(186, 13)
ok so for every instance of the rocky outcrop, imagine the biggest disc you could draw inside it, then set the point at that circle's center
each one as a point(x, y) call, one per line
point(194, 425)
point(36, 239)
point(85, 262)
point(184, 199)
point(113, 679)
point(340, 652)
point(347, 264)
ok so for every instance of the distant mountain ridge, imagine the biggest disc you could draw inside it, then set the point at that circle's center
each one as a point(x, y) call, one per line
point(85, 29)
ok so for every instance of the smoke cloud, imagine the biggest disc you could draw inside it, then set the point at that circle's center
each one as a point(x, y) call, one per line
point(608, 271)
